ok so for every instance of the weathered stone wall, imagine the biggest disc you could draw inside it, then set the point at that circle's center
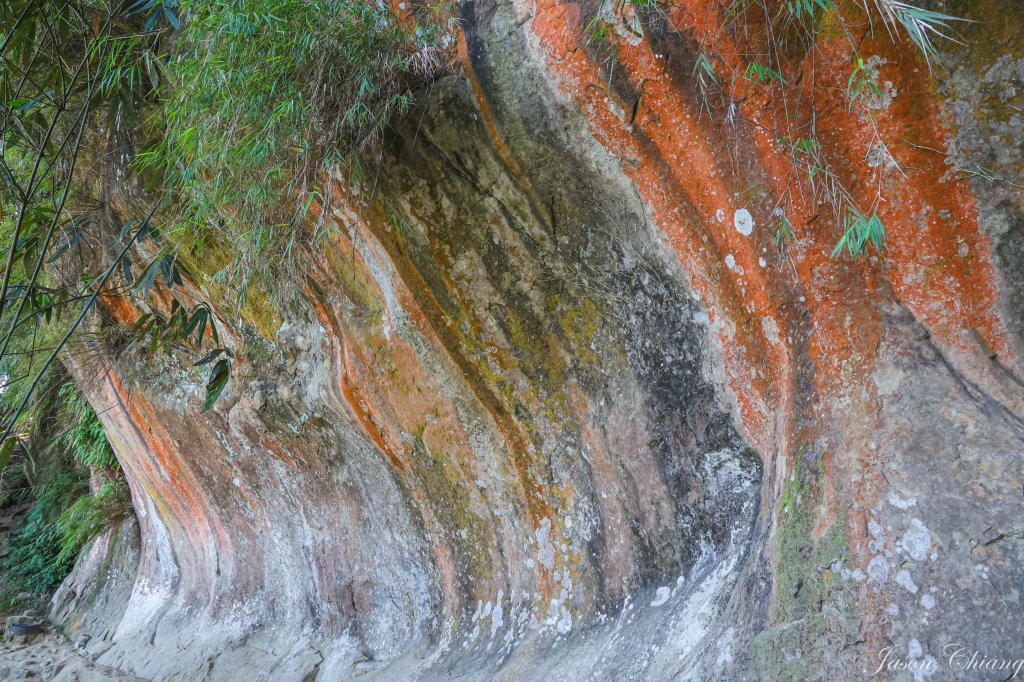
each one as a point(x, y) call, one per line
point(543, 409)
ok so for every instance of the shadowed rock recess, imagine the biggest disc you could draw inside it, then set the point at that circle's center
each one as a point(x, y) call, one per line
point(549, 408)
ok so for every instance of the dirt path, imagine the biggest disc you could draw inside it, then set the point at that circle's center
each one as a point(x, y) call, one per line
point(52, 657)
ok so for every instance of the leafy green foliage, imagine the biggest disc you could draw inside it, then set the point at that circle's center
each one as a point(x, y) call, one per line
point(783, 230)
point(7, 451)
point(184, 326)
point(761, 74)
point(62, 62)
point(58, 526)
point(155, 10)
point(218, 380)
point(87, 517)
point(32, 562)
point(860, 231)
point(600, 28)
point(704, 70)
point(50, 470)
point(806, 152)
point(85, 441)
point(168, 332)
point(921, 25)
point(269, 97)
point(806, 9)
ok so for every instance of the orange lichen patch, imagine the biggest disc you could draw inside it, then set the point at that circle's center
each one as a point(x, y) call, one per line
point(119, 308)
point(709, 24)
point(941, 265)
point(936, 254)
point(844, 325)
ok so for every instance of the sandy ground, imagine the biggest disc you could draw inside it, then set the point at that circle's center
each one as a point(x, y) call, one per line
point(52, 657)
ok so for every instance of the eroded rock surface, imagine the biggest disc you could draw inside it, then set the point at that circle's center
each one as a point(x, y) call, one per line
point(52, 657)
point(555, 405)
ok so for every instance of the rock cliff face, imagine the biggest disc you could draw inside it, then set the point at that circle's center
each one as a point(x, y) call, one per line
point(555, 404)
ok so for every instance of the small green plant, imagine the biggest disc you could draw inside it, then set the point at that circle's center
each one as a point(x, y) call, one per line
point(601, 26)
point(806, 9)
point(704, 70)
point(762, 75)
point(738, 9)
point(598, 30)
point(806, 152)
point(806, 146)
point(859, 231)
point(617, 16)
point(861, 81)
point(783, 229)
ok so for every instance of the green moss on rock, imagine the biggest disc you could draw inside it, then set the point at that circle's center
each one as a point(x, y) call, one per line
point(809, 608)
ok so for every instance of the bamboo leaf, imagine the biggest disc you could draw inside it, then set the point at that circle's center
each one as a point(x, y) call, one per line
point(219, 377)
point(6, 452)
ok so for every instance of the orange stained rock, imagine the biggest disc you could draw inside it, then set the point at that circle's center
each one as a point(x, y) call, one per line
point(941, 264)
point(155, 462)
point(687, 185)
point(356, 386)
point(439, 329)
point(497, 141)
point(686, 178)
point(357, 403)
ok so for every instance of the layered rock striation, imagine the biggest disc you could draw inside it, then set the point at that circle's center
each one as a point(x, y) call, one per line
point(556, 403)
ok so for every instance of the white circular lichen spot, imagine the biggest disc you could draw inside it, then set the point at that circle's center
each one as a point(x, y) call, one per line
point(744, 222)
point(730, 261)
point(762, 262)
point(719, 215)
